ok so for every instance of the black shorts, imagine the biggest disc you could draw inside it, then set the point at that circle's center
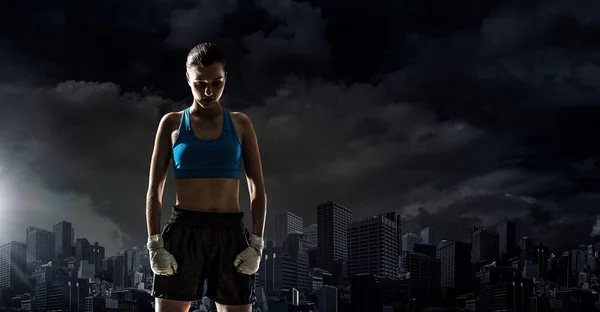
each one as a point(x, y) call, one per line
point(205, 245)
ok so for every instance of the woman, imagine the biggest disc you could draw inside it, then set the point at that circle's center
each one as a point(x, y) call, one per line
point(205, 238)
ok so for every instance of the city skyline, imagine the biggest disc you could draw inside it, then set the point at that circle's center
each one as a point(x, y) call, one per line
point(452, 118)
point(368, 258)
point(418, 233)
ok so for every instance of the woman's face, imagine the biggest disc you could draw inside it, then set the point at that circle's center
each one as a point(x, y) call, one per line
point(207, 84)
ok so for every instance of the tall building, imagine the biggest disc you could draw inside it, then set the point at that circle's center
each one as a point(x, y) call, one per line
point(398, 221)
point(332, 233)
point(484, 245)
point(40, 247)
point(409, 240)
point(311, 233)
point(429, 236)
point(503, 289)
point(399, 241)
point(455, 260)
point(13, 259)
point(286, 267)
point(577, 259)
point(328, 299)
point(116, 270)
point(424, 277)
point(132, 258)
point(286, 223)
point(297, 247)
point(83, 250)
point(528, 251)
point(93, 254)
point(97, 254)
point(63, 240)
point(285, 276)
point(507, 239)
point(51, 291)
point(373, 246)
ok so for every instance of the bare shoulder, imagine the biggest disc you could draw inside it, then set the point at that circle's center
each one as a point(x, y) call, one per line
point(241, 118)
point(170, 120)
point(243, 125)
point(242, 122)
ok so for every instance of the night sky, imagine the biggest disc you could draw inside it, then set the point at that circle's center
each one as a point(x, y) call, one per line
point(455, 113)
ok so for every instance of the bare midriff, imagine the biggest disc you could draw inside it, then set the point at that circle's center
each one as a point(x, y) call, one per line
point(208, 194)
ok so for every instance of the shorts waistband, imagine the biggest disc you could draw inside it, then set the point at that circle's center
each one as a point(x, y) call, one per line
point(206, 218)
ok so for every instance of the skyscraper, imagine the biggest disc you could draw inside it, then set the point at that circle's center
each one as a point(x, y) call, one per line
point(13, 258)
point(528, 250)
point(286, 223)
point(297, 246)
point(62, 240)
point(132, 264)
point(429, 236)
point(424, 277)
point(40, 247)
point(116, 266)
point(507, 239)
point(373, 246)
point(484, 245)
point(455, 259)
point(332, 233)
point(409, 240)
point(96, 256)
point(82, 249)
point(311, 234)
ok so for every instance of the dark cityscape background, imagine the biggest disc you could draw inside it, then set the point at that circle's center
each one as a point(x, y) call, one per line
point(337, 264)
point(453, 116)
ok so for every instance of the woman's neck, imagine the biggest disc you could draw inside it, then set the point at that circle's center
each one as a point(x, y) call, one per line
point(208, 113)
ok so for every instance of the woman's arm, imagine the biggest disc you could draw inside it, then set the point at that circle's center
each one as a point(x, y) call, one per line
point(254, 176)
point(161, 156)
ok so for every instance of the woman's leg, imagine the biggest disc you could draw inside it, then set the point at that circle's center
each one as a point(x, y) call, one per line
point(166, 305)
point(230, 308)
point(176, 292)
point(231, 290)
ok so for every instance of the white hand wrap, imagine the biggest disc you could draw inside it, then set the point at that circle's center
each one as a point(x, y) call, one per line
point(161, 261)
point(248, 260)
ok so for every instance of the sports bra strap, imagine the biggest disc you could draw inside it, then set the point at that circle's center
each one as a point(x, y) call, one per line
point(185, 119)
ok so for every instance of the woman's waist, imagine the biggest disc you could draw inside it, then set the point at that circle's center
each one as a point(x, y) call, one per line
point(207, 218)
point(218, 188)
point(211, 195)
point(207, 207)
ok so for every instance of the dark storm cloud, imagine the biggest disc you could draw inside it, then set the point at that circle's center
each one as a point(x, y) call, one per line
point(493, 121)
point(535, 25)
point(279, 32)
point(529, 78)
point(303, 134)
point(299, 38)
point(200, 23)
point(85, 146)
point(19, 69)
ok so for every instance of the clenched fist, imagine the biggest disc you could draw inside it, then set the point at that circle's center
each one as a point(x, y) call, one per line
point(248, 260)
point(161, 261)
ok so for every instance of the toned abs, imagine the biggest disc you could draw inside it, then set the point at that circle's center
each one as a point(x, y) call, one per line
point(208, 194)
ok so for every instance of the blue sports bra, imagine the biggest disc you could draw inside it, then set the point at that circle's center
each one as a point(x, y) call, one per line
point(197, 158)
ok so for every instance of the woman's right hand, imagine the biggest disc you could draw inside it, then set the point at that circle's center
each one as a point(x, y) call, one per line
point(161, 261)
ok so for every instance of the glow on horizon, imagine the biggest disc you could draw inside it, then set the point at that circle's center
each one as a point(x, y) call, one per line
point(3, 190)
point(4, 201)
